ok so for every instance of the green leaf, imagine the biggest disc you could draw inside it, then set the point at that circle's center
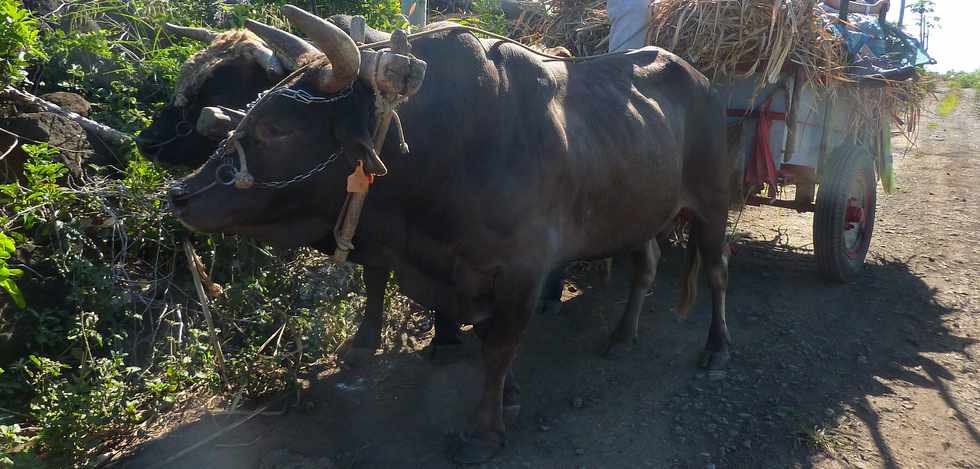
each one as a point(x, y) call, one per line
point(14, 292)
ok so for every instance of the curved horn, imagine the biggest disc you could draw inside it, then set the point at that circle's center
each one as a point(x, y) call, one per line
point(287, 45)
point(344, 56)
point(198, 34)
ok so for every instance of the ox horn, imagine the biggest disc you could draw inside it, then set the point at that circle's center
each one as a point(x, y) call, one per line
point(290, 47)
point(339, 48)
point(198, 34)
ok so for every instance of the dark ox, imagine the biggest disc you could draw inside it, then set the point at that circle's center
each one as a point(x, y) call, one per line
point(517, 165)
point(234, 68)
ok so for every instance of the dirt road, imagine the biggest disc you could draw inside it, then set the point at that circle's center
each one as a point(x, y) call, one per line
point(879, 373)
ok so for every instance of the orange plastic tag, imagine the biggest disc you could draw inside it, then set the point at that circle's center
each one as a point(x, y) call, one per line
point(359, 182)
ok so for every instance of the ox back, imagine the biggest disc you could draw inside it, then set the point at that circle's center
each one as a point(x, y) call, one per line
point(519, 159)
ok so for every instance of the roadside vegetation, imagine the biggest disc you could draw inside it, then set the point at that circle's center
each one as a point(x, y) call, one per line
point(949, 103)
point(101, 331)
point(963, 79)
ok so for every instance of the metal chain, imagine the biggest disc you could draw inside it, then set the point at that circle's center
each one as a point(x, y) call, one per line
point(227, 145)
point(301, 177)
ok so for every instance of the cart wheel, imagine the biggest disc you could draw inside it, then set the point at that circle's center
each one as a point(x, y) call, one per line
point(845, 213)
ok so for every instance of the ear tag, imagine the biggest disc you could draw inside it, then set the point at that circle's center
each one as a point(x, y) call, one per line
point(359, 182)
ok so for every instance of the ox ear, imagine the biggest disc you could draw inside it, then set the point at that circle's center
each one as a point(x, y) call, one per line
point(363, 150)
point(359, 147)
point(217, 122)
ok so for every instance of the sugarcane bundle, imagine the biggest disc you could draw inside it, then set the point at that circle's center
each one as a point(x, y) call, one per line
point(581, 26)
point(741, 38)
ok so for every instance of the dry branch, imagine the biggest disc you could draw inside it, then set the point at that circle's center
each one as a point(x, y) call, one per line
point(103, 131)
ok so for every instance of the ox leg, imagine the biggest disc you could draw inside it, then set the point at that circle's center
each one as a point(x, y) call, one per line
point(512, 391)
point(446, 343)
point(711, 244)
point(446, 331)
point(644, 272)
point(515, 298)
point(368, 337)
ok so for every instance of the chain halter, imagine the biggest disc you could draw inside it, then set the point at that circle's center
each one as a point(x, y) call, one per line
point(388, 94)
point(227, 174)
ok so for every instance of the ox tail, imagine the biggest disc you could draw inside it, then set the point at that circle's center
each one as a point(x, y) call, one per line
point(689, 280)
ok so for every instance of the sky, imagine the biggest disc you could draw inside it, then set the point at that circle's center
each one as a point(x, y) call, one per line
point(956, 44)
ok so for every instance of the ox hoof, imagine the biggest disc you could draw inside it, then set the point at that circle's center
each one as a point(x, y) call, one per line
point(716, 363)
point(550, 307)
point(478, 447)
point(355, 357)
point(619, 349)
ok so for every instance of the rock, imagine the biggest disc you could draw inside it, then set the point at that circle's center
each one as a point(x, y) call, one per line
point(69, 102)
point(43, 127)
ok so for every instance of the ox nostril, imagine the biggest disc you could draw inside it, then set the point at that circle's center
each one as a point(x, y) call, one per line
point(148, 147)
point(178, 195)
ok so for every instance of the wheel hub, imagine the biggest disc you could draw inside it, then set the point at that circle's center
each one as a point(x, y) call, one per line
point(854, 214)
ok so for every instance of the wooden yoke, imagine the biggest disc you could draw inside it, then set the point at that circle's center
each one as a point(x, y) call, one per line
point(394, 76)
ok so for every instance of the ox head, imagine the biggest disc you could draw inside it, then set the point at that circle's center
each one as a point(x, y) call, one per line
point(281, 175)
point(228, 73)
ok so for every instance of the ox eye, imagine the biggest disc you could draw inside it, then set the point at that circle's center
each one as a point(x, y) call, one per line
point(272, 130)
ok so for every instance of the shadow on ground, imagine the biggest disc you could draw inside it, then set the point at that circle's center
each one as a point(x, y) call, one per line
point(806, 352)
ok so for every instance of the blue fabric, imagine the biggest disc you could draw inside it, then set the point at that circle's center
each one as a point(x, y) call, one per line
point(875, 49)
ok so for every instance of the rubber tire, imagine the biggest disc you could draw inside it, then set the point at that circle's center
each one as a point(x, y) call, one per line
point(845, 163)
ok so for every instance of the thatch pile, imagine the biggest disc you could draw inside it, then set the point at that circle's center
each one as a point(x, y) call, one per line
point(739, 38)
point(742, 38)
point(728, 39)
point(720, 37)
point(581, 26)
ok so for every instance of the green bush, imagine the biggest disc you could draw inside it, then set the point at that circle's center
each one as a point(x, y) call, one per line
point(112, 339)
point(8, 273)
point(92, 266)
point(964, 79)
point(18, 41)
point(488, 16)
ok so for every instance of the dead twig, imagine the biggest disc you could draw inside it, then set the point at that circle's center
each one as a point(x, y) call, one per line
point(212, 334)
point(12, 146)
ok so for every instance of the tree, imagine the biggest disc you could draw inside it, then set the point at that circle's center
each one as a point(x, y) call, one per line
point(927, 19)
